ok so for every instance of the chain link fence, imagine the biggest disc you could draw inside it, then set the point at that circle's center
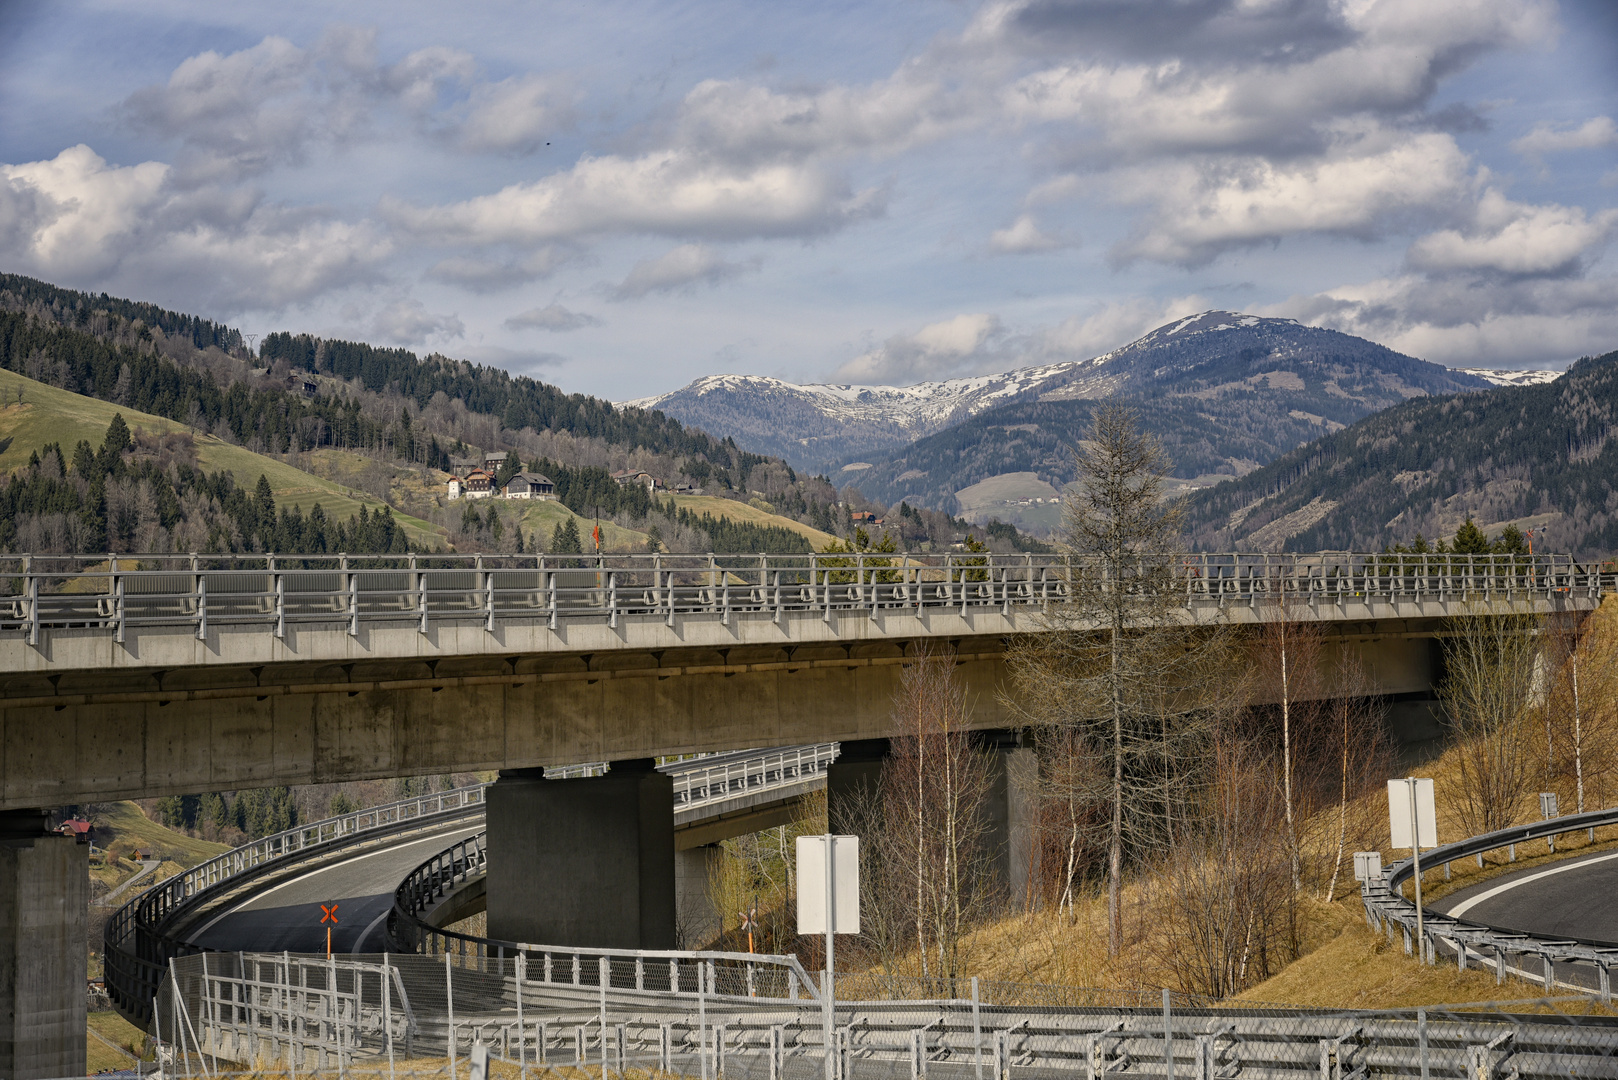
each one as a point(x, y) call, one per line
point(713, 1015)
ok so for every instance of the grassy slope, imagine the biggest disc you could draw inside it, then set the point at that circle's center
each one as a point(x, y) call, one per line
point(49, 414)
point(740, 511)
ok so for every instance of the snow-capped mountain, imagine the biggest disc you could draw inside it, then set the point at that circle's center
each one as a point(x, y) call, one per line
point(1215, 355)
point(813, 424)
point(1511, 376)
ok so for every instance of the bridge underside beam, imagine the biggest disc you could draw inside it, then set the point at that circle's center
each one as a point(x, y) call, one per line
point(183, 733)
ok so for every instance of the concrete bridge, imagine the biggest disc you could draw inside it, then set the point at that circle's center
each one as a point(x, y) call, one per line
point(130, 676)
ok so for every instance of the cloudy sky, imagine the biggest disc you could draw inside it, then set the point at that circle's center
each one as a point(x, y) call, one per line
point(621, 196)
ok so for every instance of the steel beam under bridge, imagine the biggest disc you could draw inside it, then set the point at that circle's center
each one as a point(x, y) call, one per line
point(125, 681)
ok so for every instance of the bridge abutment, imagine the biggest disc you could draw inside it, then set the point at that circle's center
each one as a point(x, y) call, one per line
point(44, 896)
point(585, 862)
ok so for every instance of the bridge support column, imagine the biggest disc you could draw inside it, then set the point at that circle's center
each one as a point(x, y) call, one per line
point(1012, 835)
point(586, 862)
point(700, 920)
point(44, 897)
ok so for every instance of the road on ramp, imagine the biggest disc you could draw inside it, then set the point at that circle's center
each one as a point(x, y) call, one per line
point(286, 916)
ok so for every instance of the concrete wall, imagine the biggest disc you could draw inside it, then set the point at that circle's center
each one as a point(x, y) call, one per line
point(44, 895)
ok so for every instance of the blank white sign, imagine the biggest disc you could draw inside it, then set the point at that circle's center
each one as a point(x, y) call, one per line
point(812, 884)
point(1399, 813)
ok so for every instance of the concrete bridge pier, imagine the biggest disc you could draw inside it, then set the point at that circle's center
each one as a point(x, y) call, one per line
point(700, 921)
point(586, 862)
point(1010, 811)
point(44, 897)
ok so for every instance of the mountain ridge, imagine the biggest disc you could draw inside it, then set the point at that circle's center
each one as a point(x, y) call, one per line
point(824, 426)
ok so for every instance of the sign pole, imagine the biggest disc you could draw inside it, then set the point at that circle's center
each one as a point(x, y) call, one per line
point(831, 915)
point(1415, 857)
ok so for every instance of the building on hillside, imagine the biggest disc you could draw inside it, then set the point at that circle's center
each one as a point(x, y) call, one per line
point(456, 486)
point(300, 383)
point(625, 477)
point(479, 484)
point(77, 828)
point(495, 460)
point(530, 485)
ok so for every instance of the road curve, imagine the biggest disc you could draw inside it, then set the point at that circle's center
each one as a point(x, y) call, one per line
point(1567, 900)
point(286, 916)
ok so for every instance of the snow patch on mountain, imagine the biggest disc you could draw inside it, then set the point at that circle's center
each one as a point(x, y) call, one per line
point(1511, 377)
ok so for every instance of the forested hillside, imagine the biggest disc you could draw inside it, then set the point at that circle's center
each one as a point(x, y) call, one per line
point(1539, 457)
point(351, 422)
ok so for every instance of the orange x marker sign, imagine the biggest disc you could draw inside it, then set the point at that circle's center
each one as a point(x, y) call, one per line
point(328, 914)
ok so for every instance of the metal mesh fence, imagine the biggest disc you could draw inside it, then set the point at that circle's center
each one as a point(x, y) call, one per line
point(719, 1015)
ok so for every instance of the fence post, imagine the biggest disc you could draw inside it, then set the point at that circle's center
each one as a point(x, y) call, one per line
point(449, 1003)
point(387, 1008)
point(977, 1030)
point(1421, 1040)
point(702, 1018)
point(1168, 1035)
point(520, 968)
point(603, 976)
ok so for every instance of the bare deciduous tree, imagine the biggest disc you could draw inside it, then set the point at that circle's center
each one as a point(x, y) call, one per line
point(925, 874)
point(1490, 660)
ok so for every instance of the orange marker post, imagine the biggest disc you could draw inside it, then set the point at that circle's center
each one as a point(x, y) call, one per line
point(328, 915)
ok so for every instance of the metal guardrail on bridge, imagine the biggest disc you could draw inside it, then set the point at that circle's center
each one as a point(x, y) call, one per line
point(118, 593)
point(1496, 947)
point(136, 948)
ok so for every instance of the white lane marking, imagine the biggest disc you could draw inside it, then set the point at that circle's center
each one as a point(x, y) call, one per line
point(1467, 905)
point(233, 909)
point(374, 924)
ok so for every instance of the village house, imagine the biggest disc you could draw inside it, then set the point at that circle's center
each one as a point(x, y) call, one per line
point(300, 383)
point(530, 485)
point(456, 486)
point(625, 477)
point(495, 460)
point(478, 484)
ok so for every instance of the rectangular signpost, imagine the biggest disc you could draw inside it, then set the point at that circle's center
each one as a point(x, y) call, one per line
point(1413, 823)
point(828, 903)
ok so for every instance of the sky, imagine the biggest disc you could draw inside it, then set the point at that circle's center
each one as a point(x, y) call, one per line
point(618, 197)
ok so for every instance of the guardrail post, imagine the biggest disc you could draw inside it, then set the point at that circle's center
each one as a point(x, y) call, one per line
point(420, 580)
point(32, 587)
point(278, 587)
point(488, 596)
point(351, 586)
point(202, 599)
point(118, 597)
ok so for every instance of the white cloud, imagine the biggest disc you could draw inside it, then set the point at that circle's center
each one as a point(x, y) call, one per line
point(685, 266)
point(1024, 235)
point(939, 350)
point(1118, 323)
point(79, 220)
point(1371, 182)
point(485, 274)
point(408, 322)
point(552, 317)
point(1598, 131)
point(1470, 322)
point(1515, 238)
point(515, 115)
point(669, 193)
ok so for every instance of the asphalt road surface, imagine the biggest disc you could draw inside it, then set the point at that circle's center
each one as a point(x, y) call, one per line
point(287, 916)
point(1572, 899)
